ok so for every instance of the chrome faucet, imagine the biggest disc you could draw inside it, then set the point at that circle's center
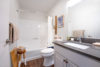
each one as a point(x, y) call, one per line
point(79, 39)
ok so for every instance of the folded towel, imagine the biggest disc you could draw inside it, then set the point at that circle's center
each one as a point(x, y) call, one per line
point(96, 44)
point(78, 33)
point(15, 33)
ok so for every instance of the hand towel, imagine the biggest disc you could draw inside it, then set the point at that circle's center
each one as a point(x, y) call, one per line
point(13, 33)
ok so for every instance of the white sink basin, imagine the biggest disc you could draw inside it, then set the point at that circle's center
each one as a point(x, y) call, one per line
point(77, 45)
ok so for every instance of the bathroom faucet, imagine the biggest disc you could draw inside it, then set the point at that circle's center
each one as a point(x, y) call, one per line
point(79, 39)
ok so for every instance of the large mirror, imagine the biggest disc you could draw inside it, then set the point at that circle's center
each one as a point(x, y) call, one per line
point(85, 16)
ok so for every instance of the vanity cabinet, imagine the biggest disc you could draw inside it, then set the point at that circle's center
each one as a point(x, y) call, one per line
point(64, 57)
point(61, 61)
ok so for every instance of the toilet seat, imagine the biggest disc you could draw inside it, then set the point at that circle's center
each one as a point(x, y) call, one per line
point(47, 50)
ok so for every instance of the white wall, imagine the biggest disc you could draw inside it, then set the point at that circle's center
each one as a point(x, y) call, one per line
point(4, 27)
point(13, 18)
point(59, 10)
point(13, 11)
point(85, 16)
point(33, 30)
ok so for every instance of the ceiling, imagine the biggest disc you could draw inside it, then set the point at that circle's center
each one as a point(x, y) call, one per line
point(37, 5)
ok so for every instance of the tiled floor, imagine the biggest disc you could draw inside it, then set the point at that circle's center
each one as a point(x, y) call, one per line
point(34, 63)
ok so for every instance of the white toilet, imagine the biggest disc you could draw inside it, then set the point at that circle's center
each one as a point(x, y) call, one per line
point(48, 57)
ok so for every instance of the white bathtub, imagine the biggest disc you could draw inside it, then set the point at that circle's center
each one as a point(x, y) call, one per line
point(33, 54)
point(33, 49)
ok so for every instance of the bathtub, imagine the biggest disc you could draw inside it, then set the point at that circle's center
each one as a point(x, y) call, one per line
point(32, 54)
point(32, 51)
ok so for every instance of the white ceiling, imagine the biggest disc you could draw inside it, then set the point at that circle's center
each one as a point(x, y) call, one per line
point(37, 5)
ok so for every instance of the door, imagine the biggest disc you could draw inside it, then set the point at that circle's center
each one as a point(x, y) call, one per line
point(4, 28)
point(71, 64)
point(59, 60)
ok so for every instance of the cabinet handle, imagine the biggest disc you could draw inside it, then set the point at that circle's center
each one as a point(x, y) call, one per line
point(65, 61)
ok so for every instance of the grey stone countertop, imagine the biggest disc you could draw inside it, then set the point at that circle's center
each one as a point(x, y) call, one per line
point(92, 52)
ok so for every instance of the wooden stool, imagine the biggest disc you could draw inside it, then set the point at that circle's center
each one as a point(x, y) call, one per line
point(21, 55)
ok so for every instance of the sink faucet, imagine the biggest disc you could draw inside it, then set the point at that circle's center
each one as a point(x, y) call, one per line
point(79, 39)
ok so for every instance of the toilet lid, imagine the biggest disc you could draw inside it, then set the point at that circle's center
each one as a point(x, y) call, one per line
point(47, 50)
